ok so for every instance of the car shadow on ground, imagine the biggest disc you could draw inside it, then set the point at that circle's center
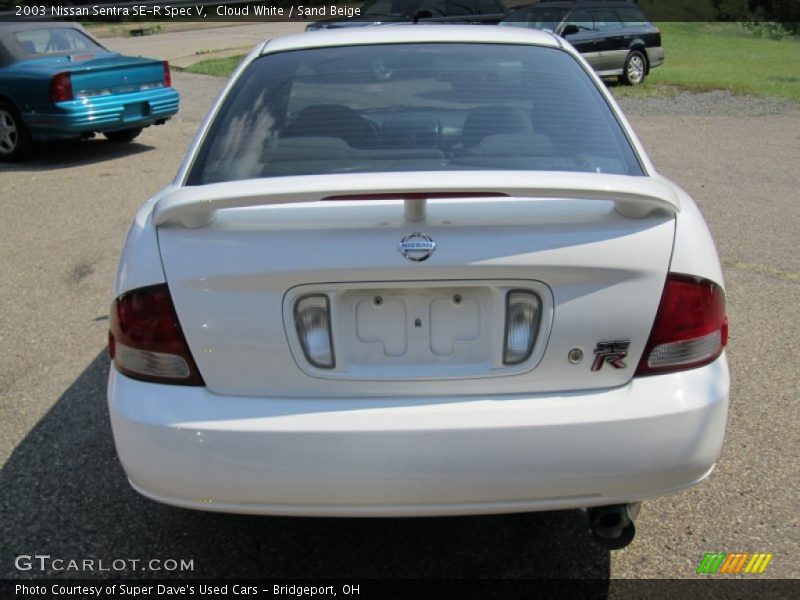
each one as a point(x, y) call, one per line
point(63, 493)
point(75, 153)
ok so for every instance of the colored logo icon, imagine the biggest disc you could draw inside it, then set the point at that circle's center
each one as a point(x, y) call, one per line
point(734, 562)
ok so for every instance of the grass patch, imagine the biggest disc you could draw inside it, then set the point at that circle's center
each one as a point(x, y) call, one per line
point(713, 56)
point(219, 67)
point(699, 57)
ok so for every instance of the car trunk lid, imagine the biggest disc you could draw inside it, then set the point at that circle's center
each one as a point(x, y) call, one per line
point(236, 280)
point(115, 75)
point(98, 73)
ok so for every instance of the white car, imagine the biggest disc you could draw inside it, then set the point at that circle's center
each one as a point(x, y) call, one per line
point(423, 270)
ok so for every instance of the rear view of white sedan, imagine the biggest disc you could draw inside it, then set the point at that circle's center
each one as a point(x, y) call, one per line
point(420, 270)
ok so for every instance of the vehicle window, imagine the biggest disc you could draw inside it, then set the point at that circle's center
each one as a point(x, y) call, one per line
point(631, 17)
point(52, 41)
point(583, 19)
point(537, 18)
point(606, 20)
point(458, 8)
point(489, 7)
point(404, 107)
point(389, 7)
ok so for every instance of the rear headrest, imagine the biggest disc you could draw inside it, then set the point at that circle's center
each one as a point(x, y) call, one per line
point(333, 120)
point(484, 121)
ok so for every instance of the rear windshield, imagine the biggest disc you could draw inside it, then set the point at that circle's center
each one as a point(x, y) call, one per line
point(58, 40)
point(413, 107)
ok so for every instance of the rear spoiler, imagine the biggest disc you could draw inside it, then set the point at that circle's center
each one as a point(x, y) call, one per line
point(196, 206)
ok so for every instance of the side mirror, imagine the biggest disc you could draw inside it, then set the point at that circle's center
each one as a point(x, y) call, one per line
point(422, 14)
point(569, 30)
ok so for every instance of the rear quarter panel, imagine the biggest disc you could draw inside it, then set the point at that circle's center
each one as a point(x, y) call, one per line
point(694, 252)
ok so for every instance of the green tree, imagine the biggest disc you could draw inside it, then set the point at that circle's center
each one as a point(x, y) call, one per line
point(733, 10)
point(680, 10)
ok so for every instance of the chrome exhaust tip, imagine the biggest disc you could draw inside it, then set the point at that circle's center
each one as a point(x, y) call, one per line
point(613, 526)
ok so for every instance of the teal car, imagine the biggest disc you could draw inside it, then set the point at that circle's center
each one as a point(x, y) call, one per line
point(57, 82)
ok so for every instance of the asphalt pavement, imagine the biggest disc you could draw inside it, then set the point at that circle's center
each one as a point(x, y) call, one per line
point(63, 492)
point(183, 48)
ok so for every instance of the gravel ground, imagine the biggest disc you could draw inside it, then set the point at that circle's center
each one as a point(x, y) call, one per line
point(63, 492)
point(713, 103)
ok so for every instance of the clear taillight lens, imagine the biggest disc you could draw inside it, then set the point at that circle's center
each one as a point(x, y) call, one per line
point(522, 323)
point(145, 339)
point(691, 328)
point(312, 318)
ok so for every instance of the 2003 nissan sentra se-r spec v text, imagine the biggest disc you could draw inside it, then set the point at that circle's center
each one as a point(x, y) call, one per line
point(418, 271)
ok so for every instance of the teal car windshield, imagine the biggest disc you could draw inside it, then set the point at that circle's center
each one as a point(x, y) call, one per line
point(413, 107)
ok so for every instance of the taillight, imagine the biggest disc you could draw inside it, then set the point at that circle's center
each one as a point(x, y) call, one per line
point(145, 340)
point(61, 88)
point(691, 328)
point(167, 75)
point(312, 318)
point(522, 325)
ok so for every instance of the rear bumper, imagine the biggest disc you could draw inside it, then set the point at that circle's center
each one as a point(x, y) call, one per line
point(419, 456)
point(104, 113)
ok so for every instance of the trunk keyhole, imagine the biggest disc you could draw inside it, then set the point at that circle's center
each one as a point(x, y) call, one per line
point(417, 322)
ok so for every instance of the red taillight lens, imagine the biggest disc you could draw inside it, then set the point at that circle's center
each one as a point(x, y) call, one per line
point(61, 88)
point(167, 75)
point(691, 327)
point(145, 340)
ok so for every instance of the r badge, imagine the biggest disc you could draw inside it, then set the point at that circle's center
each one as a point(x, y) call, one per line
point(611, 353)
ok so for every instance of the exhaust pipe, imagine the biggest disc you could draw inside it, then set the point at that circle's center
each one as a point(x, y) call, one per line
point(612, 526)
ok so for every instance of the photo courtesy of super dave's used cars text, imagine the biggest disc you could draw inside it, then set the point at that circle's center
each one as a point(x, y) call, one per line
point(135, 590)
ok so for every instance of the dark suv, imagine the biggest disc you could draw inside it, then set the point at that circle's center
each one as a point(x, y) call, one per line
point(376, 12)
point(614, 37)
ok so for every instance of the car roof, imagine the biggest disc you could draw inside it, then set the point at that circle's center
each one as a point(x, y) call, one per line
point(9, 27)
point(410, 34)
